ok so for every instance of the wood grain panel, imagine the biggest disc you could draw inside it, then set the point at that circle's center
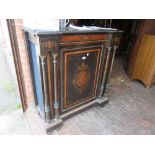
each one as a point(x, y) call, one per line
point(134, 51)
point(144, 67)
point(76, 38)
point(75, 43)
point(153, 80)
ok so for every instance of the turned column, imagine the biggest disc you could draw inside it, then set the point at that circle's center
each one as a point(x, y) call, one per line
point(47, 47)
point(56, 105)
point(105, 72)
point(50, 47)
point(112, 61)
point(45, 87)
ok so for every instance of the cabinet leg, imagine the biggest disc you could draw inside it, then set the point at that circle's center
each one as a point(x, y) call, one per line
point(104, 74)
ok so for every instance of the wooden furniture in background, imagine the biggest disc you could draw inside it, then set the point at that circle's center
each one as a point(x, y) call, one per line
point(144, 67)
point(139, 28)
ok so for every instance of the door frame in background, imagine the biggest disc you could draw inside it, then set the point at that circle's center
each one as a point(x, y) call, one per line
point(17, 62)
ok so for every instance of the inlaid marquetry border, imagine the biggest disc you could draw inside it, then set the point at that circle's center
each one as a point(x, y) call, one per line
point(80, 51)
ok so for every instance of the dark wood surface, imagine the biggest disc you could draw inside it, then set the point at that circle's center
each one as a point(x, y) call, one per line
point(44, 32)
point(80, 76)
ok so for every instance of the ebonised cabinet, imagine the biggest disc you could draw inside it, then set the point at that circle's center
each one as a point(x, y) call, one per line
point(70, 70)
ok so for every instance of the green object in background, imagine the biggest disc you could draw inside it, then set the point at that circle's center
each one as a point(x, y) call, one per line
point(18, 105)
point(8, 87)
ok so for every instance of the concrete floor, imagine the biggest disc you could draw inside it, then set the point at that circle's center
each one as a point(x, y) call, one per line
point(12, 120)
point(131, 110)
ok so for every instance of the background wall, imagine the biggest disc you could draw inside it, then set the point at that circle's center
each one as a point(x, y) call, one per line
point(24, 61)
point(6, 46)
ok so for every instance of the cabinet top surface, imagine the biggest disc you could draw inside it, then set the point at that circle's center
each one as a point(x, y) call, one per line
point(42, 32)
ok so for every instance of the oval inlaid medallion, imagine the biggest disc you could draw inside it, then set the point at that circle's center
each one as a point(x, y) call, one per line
point(81, 79)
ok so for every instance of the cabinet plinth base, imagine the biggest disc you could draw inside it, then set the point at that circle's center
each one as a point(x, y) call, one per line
point(102, 101)
point(56, 123)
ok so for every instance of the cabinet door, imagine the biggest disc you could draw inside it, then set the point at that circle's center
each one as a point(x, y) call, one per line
point(80, 73)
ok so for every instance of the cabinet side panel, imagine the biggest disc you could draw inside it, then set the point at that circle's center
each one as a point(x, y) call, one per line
point(37, 82)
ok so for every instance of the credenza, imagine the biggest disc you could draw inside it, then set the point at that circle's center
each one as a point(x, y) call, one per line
point(69, 70)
